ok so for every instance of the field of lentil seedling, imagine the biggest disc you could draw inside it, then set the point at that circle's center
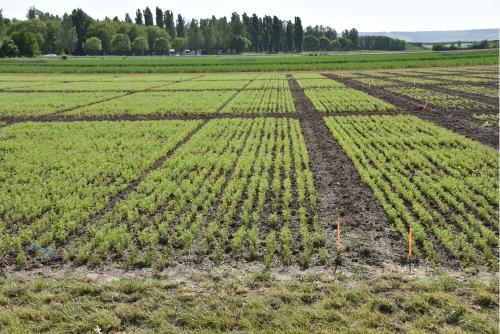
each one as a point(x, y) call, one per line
point(249, 202)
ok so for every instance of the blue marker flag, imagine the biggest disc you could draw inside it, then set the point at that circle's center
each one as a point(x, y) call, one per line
point(52, 255)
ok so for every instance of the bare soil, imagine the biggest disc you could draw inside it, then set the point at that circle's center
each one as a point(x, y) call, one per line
point(367, 236)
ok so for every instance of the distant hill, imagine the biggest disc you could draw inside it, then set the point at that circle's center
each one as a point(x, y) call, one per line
point(439, 36)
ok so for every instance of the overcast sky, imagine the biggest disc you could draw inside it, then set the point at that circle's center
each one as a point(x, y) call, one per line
point(365, 15)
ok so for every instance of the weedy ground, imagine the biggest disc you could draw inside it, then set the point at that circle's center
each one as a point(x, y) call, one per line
point(258, 302)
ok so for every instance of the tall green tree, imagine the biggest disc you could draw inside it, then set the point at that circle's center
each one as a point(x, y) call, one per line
point(236, 25)
point(105, 31)
point(194, 36)
point(169, 22)
point(148, 17)
point(140, 46)
point(276, 34)
point(81, 22)
point(289, 38)
point(153, 33)
point(120, 44)
point(354, 38)
point(180, 28)
point(2, 23)
point(299, 34)
point(255, 33)
point(135, 31)
point(159, 18)
point(311, 43)
point(8, 48)
point(267, 27)
point(66, 37)
point(161, 45)
point(246, 21)
point(138, 17)
point(27, 43)
point(324, 43)
point(128, 19)
point(180, 44)
point(92, 46)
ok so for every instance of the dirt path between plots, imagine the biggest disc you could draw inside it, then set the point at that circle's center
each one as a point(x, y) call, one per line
point(368, 236)
point(459, 121)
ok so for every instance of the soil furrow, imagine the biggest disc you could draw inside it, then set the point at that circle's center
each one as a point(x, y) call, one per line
point(368, 236)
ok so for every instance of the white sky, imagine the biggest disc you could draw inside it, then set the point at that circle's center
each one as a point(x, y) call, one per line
point(365, 15)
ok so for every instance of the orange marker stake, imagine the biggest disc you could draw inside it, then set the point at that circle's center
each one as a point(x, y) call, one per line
point(409, 242)
point(425, 106)
point(338, 238)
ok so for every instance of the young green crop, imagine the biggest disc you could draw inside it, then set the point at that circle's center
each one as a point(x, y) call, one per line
point(261, 102)
point(479, 90)
point(55, 177)
point(443, 184)
point(15, 104)
point(440, 100)
point(375, 82)
point(214, 197)
point(158, 103)
point(338, 100)
point(315, 80)
point(206, 85)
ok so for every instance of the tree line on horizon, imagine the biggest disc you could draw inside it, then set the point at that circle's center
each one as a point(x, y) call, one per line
point(155, 33)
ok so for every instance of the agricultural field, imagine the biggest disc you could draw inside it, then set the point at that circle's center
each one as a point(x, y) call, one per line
point(33, 104)
point(342, 100)
point(440, 100)
point(157, 103)
point(446, 90)
point(279, 195)
point(251, 64)
point(73, 170)
point(438, 182)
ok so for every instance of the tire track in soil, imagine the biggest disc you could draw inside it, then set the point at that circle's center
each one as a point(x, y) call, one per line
point(458, 121)
point(132, 186)
point(368, 236)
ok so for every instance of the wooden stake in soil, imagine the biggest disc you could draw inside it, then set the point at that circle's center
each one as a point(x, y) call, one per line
point(425, 105)
point(338, 238)
point(369, 87)
point(410, 237)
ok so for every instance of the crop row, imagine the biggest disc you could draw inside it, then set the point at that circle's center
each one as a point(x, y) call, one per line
point(442, 184)
point(261, 101)
point(487, 120)
point(478, 90)
point(97, 86)
point(240, 188)
point(307, 81)
point(158, 103)
point(375, 82)
point(440, 100)
point(55, 177)
point(345, 99)
point(40, 104)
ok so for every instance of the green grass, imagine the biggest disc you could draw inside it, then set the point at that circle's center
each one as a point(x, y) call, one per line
point(249, 304)
point(250, 63)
